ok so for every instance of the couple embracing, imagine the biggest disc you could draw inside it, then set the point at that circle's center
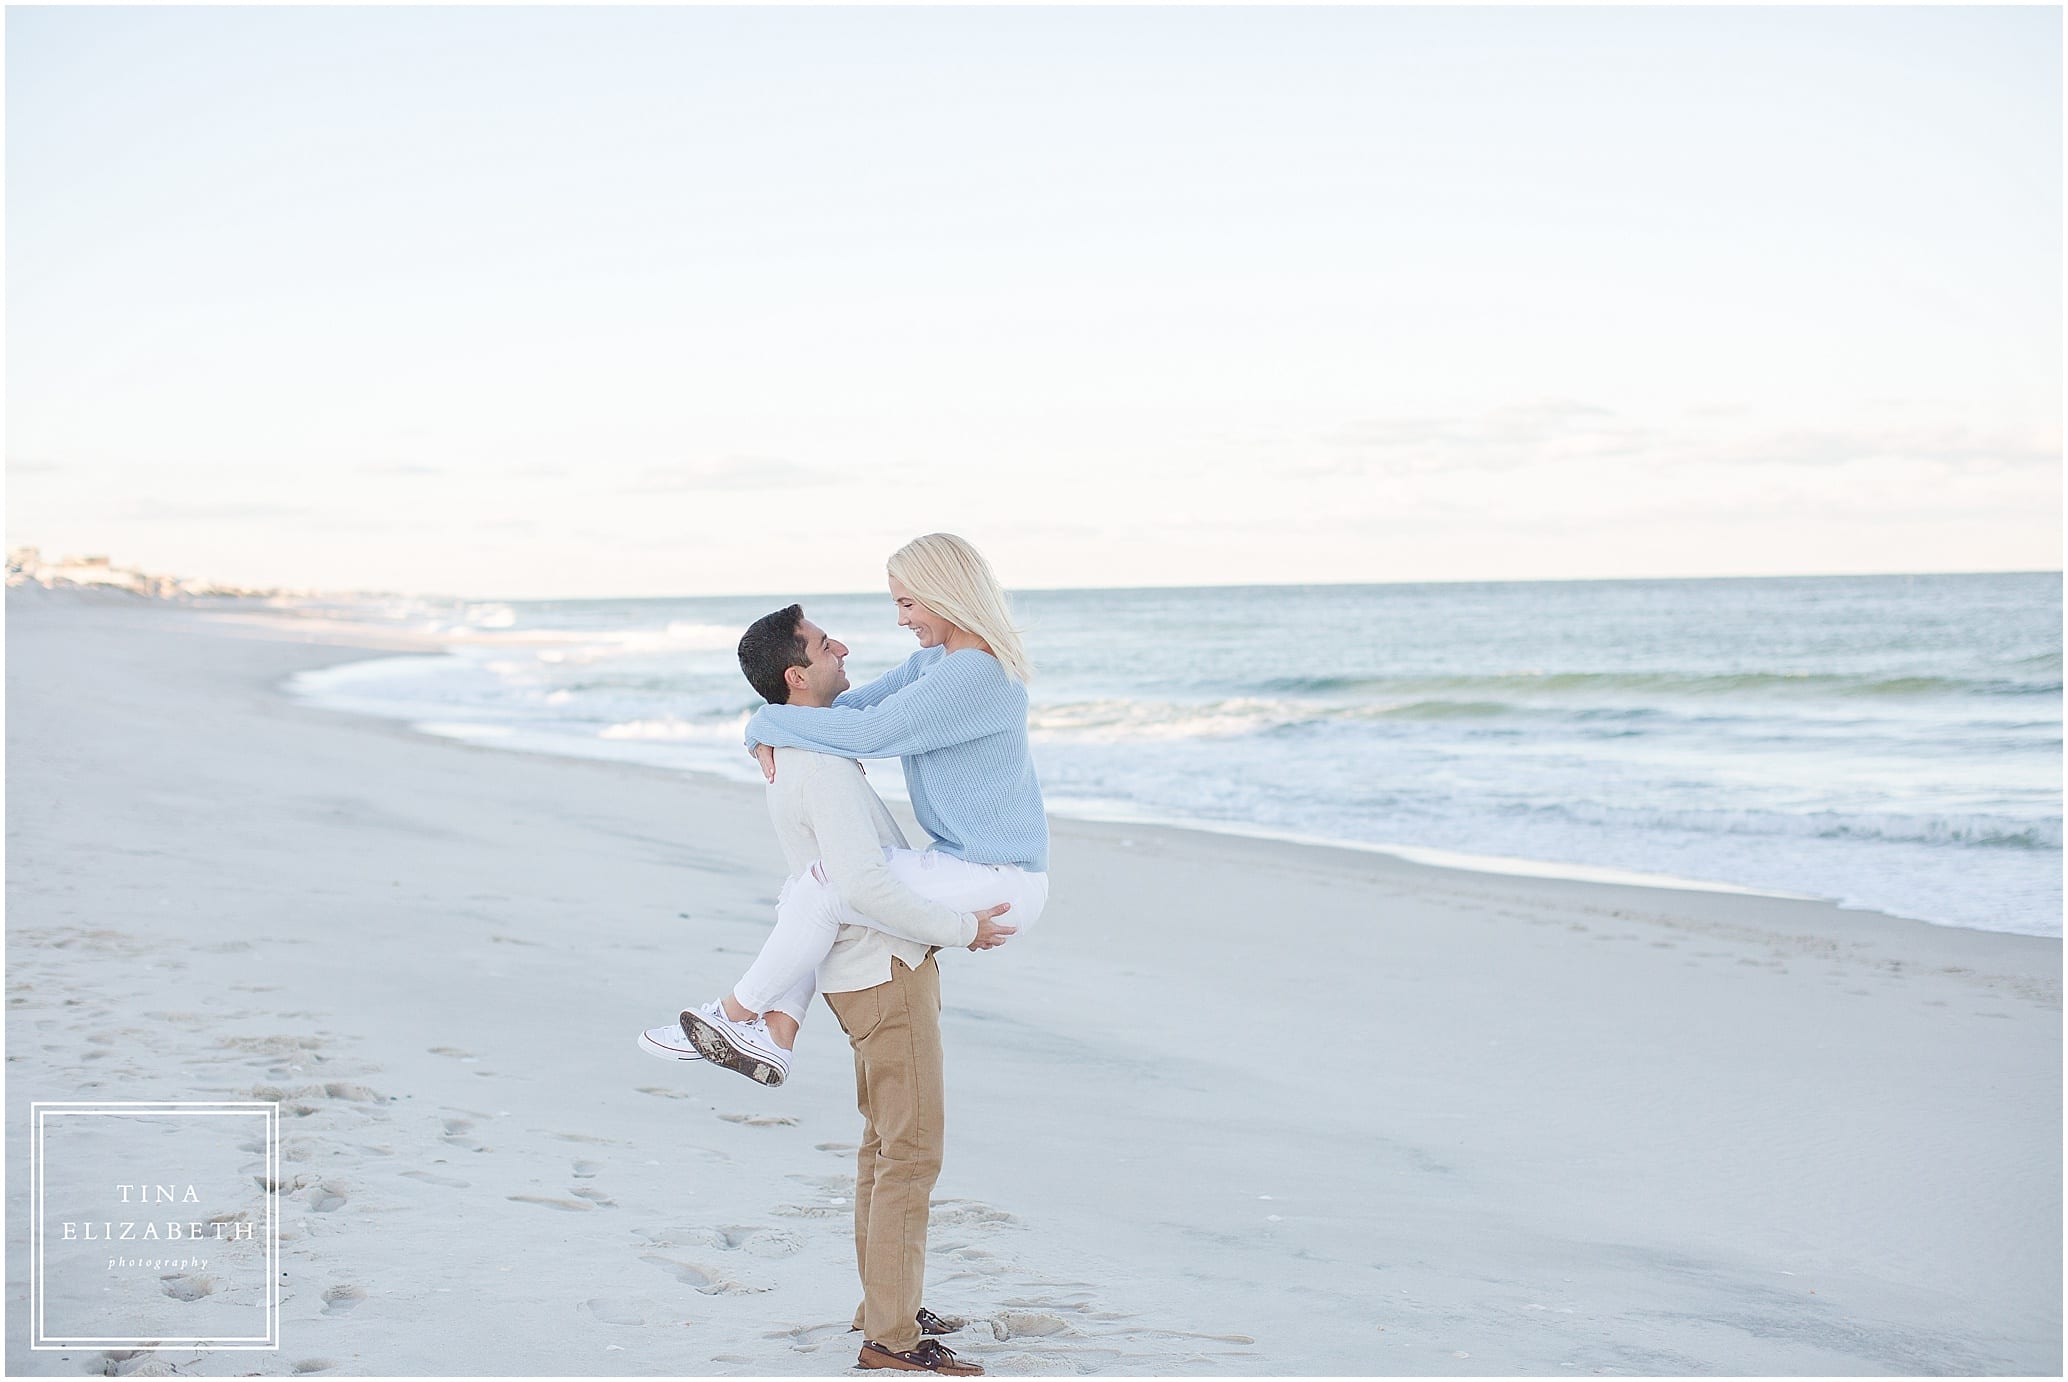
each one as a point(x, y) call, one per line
point(861, 915)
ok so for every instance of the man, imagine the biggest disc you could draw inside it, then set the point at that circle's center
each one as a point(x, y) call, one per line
point(883, 987)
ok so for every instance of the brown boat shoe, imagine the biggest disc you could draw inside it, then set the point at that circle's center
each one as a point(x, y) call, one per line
point(931, 1356)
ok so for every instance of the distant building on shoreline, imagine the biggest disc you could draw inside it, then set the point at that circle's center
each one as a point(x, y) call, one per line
point(26, 566)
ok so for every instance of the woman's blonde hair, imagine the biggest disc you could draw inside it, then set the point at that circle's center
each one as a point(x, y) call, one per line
point(952, 579)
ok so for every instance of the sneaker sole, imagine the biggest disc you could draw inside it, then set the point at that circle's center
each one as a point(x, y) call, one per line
point(654, 1048)
point(713, 1047)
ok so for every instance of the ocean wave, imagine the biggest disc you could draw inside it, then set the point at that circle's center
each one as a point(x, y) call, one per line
point(1120, 720)
point(1972, 830)
point(679, 635)
point(1130, 721)
point(1660, 683)
point(495, 626)
point(1433, 710)
point(669, 729)
point(488, 616)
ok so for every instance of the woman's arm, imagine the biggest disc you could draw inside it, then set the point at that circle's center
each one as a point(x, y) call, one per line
point(963, 696)
point(896, 679)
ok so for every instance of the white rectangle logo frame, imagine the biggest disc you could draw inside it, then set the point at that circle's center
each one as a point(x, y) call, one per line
point(269, 1111)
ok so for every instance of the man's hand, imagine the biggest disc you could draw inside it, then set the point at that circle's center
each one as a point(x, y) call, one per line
point(989, 932)
point(766, 753)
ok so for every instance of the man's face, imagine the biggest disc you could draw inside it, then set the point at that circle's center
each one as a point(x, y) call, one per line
point(826, 677)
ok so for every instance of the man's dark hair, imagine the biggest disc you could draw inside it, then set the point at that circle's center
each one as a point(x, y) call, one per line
point(770, 647)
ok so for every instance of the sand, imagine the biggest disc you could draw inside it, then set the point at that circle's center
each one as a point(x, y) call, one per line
point(1240, 1107)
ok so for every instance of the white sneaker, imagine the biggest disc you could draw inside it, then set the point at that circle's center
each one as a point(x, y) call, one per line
point(743, 1046)
point(668, 1043)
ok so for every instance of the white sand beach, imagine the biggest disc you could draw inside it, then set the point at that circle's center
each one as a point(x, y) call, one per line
point(1240, 1107)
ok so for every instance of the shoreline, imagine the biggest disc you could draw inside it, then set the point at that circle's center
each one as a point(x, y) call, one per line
point(1546, 1126)
point(378, 642)
point(1825, 919)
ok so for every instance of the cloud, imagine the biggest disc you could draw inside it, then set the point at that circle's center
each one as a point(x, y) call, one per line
point(1502, 439)
point(1563, 433)
point(301, 518)
point(732, 473)
point(223, 512)
point(1955, 447)
point(398, 468)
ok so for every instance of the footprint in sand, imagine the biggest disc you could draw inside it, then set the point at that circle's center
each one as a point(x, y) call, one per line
point(660, 1093)
point(615, 1310)
point(834, 1147)
point(583, 1170)
point(705, 1280)
point(343, 1299)
point(1024, 1324)
point(327, 1198)
point(770, 1242)
point(965, 1213)
point(456, 1130)
point(760, 1120)
point(594, 1196)
point(188, 1287)
point(809, 1338)
point(433, 1178)
point(309, 1365)
point(352, 1093)
point(750, 1238)
point(455, 1053)
point(574, 1206)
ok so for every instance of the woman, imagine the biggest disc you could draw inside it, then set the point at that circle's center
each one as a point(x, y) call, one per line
point(956, 715)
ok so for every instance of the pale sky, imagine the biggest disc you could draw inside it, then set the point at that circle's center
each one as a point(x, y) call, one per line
point(525, 302)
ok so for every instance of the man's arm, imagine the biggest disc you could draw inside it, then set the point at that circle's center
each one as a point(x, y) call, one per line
point(852, 856)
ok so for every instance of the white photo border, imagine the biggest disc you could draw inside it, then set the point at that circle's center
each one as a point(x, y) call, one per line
point(269, 1111)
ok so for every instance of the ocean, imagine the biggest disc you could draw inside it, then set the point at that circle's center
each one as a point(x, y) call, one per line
point(1887, 742)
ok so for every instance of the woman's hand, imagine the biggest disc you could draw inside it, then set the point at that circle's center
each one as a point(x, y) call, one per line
point(990, 933)
point(766, 753)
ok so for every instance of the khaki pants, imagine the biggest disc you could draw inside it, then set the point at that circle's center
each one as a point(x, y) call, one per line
point(895, 1029)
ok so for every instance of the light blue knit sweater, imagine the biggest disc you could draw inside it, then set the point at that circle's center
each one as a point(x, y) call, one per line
point(959, 723)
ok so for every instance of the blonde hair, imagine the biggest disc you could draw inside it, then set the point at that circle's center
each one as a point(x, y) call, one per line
point(952, 579)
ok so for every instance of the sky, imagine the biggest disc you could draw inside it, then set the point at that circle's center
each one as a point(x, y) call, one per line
point(583, 302)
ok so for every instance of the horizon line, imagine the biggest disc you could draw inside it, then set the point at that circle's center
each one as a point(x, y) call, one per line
point(1242, 585)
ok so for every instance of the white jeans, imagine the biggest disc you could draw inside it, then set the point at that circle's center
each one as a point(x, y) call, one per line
point(810, 913)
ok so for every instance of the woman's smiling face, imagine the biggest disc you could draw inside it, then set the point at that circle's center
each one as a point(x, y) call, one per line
point(931, 628)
